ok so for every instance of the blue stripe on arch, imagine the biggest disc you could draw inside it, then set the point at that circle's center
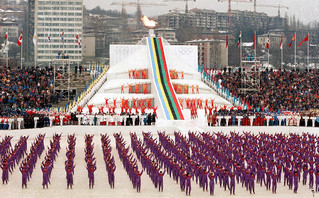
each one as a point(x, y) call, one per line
point(156, 79)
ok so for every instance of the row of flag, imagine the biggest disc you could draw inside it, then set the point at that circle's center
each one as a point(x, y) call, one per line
point(268, 41)
point(294, 39)
point(19, 42)
point(62, 38)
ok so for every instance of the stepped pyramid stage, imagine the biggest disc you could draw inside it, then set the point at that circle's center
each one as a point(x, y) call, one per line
point(172, 80)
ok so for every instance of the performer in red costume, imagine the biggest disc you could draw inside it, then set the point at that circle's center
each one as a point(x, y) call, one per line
point(130, 74)
point(130, 88)
point(137, 88)
point(80, 109)
point(114, 102)
point(101, 109)
point(185, 89)
point(149, 103)
point(90, 107)
point(122, 88)
point(180, 100)
point(145, 88)
point(107, 102)
point(179, 88)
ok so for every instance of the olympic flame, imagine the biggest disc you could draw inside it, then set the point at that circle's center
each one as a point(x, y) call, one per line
point(148, 23)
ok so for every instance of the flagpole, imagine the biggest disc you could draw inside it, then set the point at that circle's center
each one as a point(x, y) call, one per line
point(240, 49)
point(21, 53)
point(227, 51)
point(295, 60)
point(49, 55)
point(268, 47)
point(79, 54)
point(308, 45)
point(255, 37)
point(49, 48)
point(35, 49)
point(282, 54)
point(36, 54)
point(7, 56)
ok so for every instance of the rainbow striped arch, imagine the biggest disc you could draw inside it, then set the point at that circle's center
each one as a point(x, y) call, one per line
point(172, 109)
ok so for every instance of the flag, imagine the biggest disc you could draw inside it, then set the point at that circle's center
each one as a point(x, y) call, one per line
point(19, 42)
point(305, 39)
point(254, 42)
point(268, 42)
point(49, 37)
point(281, 42)
point(239, 39)
point(292, 40)
point(5, 39)
point(77, 39)
point(62, 37)
point(226, 41)
point(35, 38)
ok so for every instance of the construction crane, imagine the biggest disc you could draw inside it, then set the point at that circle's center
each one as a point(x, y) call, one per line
point(239, 1)
point(186, 1)
point(138, 10)
point(274, 6)
point(138, 4)
point(255, 5)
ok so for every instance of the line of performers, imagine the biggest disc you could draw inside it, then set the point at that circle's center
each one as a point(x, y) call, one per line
point(148, 161)
point(138, 74)
point(69, 163)
point(176, 162)
point(184, 88)
point(129, 162)
point(193, 104)
point(175, 74)
point(48, 162)
point(135, 104)
point(29, 163)
point(108, 159)
point(5, 145)
point(12, 157)
point(90, 159)
point(136, 88)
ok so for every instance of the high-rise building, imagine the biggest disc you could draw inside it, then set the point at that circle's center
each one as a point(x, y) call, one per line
point(28, 32)
point(57, 22)
point(211, 52)
point(210, 19)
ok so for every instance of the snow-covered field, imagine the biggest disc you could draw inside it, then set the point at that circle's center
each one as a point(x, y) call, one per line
point(123, 187)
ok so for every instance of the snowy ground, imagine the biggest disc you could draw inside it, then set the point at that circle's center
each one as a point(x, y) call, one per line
point(123, 187)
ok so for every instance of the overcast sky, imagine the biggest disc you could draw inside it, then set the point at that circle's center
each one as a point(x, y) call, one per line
point(305, 10)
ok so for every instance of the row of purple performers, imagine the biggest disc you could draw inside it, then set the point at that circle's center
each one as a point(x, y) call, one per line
point(90, 159)
point(48, 162)
point(5, 145)
point(108, 159)
point(28, 164)
point(10, 157)
point(69, 163)
point(129, 162)
point(149, 161)
point(227, 160)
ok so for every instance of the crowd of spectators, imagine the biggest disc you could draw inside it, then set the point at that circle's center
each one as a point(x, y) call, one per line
point(260, 118)
point(26, 88)
point(279, 90)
